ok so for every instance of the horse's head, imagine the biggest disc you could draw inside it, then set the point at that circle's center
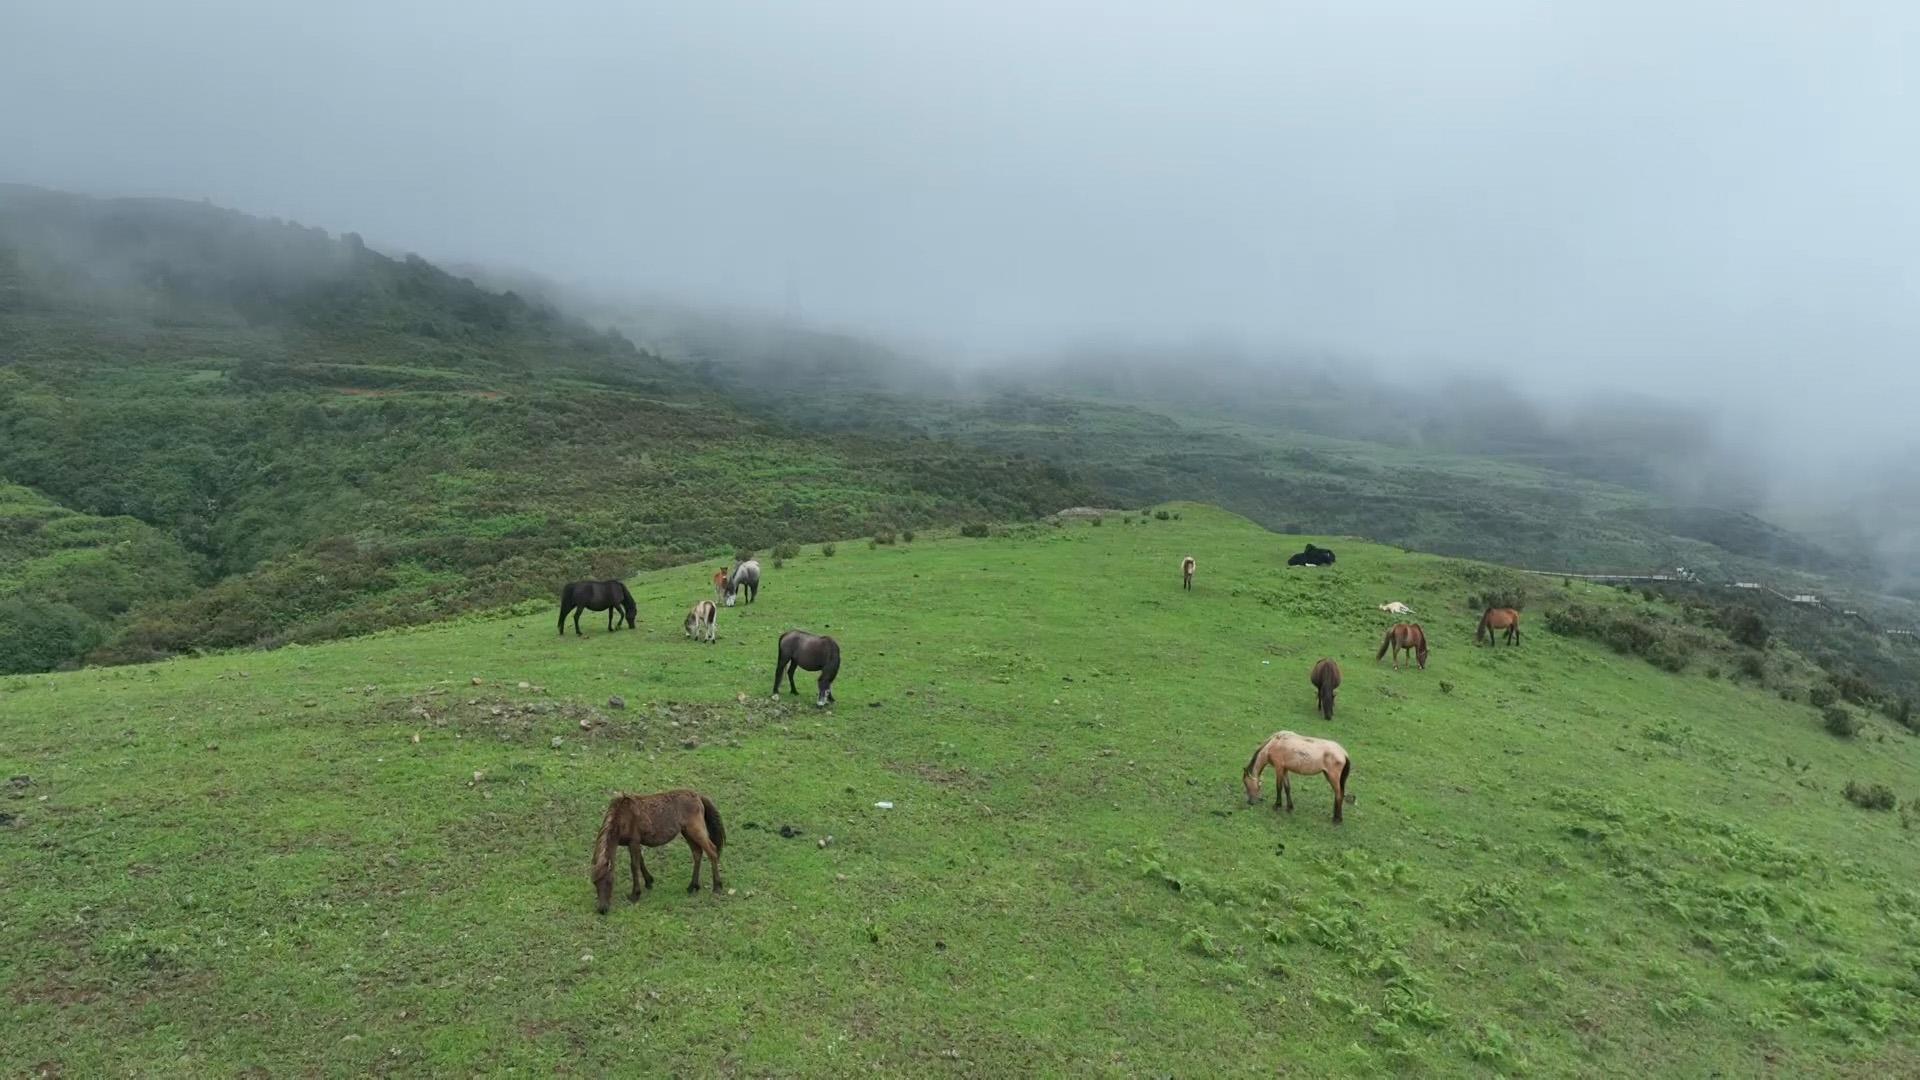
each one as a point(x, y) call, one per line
point(1251, 781)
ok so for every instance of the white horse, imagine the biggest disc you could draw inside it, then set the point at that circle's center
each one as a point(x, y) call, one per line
point(1291, 753)
point(745, 576)
point(1396, 608)
point(703, 621)
point(1186, 572)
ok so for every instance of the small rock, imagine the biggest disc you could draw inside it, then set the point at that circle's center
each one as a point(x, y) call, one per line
point(213, 746)
point(538, 689)
point(416, 738)
point(479, 777)
point(616, 702)
point(741, 698)
point(525, 685)
point(586, 724)
point(556, 742)
point(476, 680)
point(586, 958)
point(310, 704)
point(690, 744)
point(730, 892)
point(839, 877)
point(873, 704)
point(822, 843)
point(789, 832)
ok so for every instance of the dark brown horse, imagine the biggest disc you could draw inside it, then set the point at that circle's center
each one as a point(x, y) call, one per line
point(651, 820)
point(1326, 679)
point(1186, 573)
point(1405, 637)
point(1495, 620)
point(611, 597)
point(799, 649)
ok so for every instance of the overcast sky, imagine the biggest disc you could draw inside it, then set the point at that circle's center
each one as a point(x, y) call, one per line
point(1722, 199)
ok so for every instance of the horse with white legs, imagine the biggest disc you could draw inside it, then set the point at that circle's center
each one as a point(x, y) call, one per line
point(813, 652)
point(703, 621)
point(745, 576)
point(1186, 573)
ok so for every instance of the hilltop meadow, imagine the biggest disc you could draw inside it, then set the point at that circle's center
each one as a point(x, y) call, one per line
point(369, 856)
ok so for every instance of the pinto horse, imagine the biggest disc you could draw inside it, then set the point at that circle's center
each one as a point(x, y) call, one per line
point(1494, 621)
point(799, 649)
point(611, 597)
point(1405, 637)
point(703, 622)
point(1326, 680)
point(1291, 753)
point(639, 821)
point(1186, 573)
point(745, 576)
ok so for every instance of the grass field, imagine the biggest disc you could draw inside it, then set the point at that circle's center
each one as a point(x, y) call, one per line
point(1561, 862)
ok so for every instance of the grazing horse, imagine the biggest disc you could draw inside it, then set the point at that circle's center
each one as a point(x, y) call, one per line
point(611, 597)
point(1405, 637)
point(703, 621)
point(651, 820)
point(1291, 753)
point(719, 586)
point(745, 576)
point(1313, 556)
point(799, 649)
point(1326, 679)
point(1495, 620)
point(1186, 573)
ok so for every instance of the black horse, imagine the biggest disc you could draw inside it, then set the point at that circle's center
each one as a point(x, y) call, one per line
point(611, 597)
point(799, 649)
point(1313, 556)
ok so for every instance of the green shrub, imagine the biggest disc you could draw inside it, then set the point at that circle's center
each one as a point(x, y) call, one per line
point(907, 535)
point(1162, 514)
point(828, 550)
point(1839, 721)
point(785, 550)
point(742, 555)
point(884, 536)
point(1746, 627)
point(1096, 523)
point(1820, 696)
point(1753, 667)
point(1869, 796)
point(973, 529)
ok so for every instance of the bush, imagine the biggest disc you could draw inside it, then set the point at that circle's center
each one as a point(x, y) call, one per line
point(1869, 796)
point(1096, 522)
point(1749, 629)
point(1753, 667)
point(884, 536)
point(1820, 696)
point(785, 550)
point(1162, 514)
point(1900, 711)
point(828, 550)
point(974, 529)
point(907, 535)
point(1840, 722)
point(742, 555)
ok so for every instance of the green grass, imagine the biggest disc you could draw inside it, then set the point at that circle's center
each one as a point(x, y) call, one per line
point(1570, 863)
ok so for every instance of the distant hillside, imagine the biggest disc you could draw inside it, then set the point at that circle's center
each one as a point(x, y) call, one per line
point(335, 440)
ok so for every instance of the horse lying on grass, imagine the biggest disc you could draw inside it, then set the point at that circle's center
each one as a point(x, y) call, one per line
point(1291, 753)
point(639, 821)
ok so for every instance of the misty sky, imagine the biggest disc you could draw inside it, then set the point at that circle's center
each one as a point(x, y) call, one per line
point(1721, 199)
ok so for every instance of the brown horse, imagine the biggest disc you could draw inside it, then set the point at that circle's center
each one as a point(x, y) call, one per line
point(1326, 679)
point(651, 820)
point(1186, 573)
point(719, 586)
point(1291, 753)
point(1405, 637)
point(1495, 620)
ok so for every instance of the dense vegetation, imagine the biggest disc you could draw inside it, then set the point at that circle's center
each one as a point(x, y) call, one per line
point(307, 439)
point(1560, 861)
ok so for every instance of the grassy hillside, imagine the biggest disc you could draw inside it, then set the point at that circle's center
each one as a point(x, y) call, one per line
point(340, 441)
point(1561, 860)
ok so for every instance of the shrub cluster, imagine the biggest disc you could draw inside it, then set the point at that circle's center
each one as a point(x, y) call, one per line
point(973, 529)
point(1869, 796)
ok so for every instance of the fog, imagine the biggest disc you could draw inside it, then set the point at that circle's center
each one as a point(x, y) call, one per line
point(1717, 202)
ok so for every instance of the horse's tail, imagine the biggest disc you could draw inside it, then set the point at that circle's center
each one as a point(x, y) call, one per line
point(605, 848)
point(715, 830)
point(1384, 642)
point(1346, 769)
point(1484, 620)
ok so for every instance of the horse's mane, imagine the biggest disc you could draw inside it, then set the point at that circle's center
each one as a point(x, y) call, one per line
point(605, 850)
point(1248, 771)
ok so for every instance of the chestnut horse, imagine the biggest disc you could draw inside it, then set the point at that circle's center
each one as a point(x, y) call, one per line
point(1291, 753)
point(649, 821)
point(1186, 573)
point(1326, 679)
point(719, 586)
point(1405, 637)
point(1495, 620)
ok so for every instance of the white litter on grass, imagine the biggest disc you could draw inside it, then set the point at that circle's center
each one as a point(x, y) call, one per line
point(884, 805)
point(1266, 661)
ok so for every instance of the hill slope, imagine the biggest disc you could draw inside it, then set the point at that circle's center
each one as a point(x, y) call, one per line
point(1560, 861)
point(341, 441)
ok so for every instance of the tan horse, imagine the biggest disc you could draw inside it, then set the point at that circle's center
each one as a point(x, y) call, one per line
point(1186, 573)
point(1495, 620)
point(1291, 753)
point(703, 622)
point(649, 821)
point(1326, 679)
point(1404, 637)
point(719, 586)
